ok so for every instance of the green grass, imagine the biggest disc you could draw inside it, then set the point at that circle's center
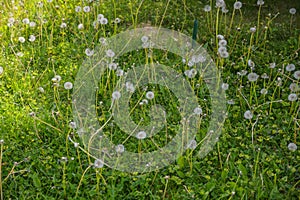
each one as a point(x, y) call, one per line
point(251, 159)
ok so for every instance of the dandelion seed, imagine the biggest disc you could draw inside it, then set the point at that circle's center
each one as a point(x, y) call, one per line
point(272, 65)
point(150, 95)
point(207, 8)
point(252, 77)
point(297, 74)
point(192, 144)
point(72, 125)
point(260, 2)
point(25, 21)
point(141, 135)
point(80, 26)
point(1, 70)
point(63, 25)
point(112, 66)
point(77, 9)
point(198, 111)
point(293, 11)
point(248, 114)
point(293, 87)
point(225, 86)
point(21, 39)
point(89, 52)
point(103, 21)
point(31, 38)
point(110, 53)
point(191, 63)
point(116, 95)
point(86, 9)
point(292, 146)
point(264, 91)
point(68, 85)
point(292, 97)
point(98, 163)
point(252, 29)
point(120, 148)
point(237, 5)
point(290, 67)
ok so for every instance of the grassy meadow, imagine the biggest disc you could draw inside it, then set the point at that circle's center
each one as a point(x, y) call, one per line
point(255, 46)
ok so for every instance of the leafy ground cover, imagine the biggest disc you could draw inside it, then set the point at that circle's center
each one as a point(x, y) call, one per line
point(255, 46)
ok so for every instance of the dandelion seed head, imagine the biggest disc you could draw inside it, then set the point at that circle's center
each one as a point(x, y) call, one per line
point(41, 89)
point(290, 67)
point(63, 25)
point(263, 91)
point(89, 52)
point(272, 65)
point(297, 74)
point(86, 9)
point(294, 87)
point(192, 144)
point(31, 38)
point(98, 163)
point(223, 42)
point(198, 111)
point(224, 54)
point(103, 21)
point(72, 125)
point(252, 77)
point(116, 95)
point(225, 86)
point(253, 29)
point(120, 148)
point(68, 85)
point(141, 135)
point(260, 2)
point(150, 95)
point(293, 11)
point(292, 146)
point(112, 66)
point(292, 97)
point(248, 114)
point(117, 20)
point(77, 9)
point(21, 39)
point(1, 70)
point(110, 53)
point(80, 26)
point(207, 8)
point(25, 21)
point(237, 5)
